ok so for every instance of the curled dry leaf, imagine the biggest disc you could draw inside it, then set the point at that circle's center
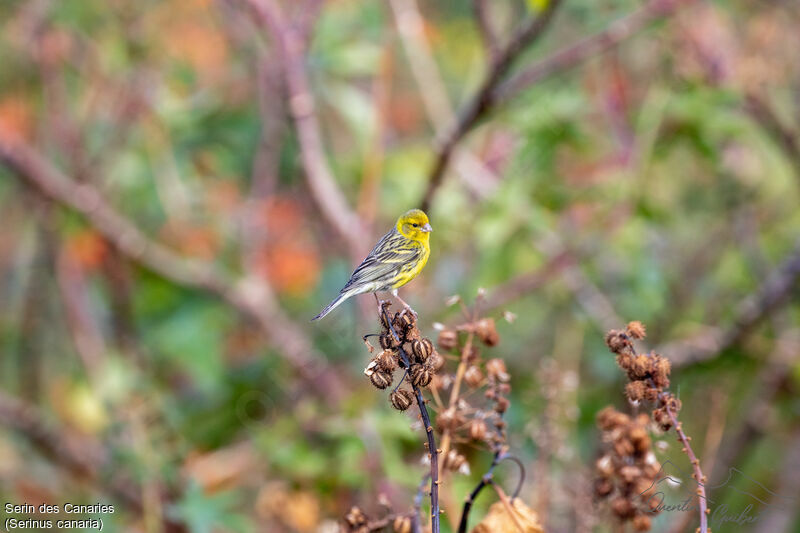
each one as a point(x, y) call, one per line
point(498, 520)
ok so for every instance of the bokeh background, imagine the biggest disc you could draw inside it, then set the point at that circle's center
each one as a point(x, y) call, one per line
point(184, 183)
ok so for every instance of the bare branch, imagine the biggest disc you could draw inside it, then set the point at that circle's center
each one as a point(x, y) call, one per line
point(484, 98)
point(490, 41)
point(250, 296)
point(773, 293)
point(321, 181)
point(566, 58)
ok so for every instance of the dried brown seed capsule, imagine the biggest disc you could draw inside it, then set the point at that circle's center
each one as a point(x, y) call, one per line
point(448, 339)
point(355, 517)
point(454, 461)
point(623, 508)
point(387, 360)
point(636, 330)
point(501, 405)
point(487, 332)
point(383, 314)
point(473, 376)
point(402, 524)
point(640, 440)
point(629, 473)
point(603, 487)
point(635, 390)
point(496, 369)
point(436, 361)
point(388, 341)
point(401, 399)
point(604, 466)
point(421, 375)
point(403, 321)
point(477, 429)
point(642, 523)
point(381, 379)
point(449, 419)
point(617, 341)
point(422, 349)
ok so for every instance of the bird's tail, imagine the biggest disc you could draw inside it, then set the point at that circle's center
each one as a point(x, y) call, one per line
point(334, 304)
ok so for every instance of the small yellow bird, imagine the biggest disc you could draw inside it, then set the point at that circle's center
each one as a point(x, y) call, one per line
point(398, 257)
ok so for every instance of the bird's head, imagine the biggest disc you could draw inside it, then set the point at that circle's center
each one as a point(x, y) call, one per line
point(414, 225)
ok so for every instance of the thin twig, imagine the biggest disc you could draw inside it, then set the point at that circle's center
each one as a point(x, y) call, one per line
point(572, 55)
point(751, 311)
point(253, 298)
point(484, 98)
point(698, 474)
point(484, 24)
point(433, 452)
point(321, 182)
point(786, 138)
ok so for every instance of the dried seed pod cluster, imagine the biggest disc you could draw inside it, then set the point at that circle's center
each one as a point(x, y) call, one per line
point(626, 469)
point(355, 521)
point(460, 421)
point(648, 374)
point(625, 473)
point(401, 334)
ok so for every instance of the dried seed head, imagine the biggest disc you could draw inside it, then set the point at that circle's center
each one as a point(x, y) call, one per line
point(436, 361)
point(388, 341)
point(487, 332)
point(403, 321)
point(422, 349)
point(623, 508)
point(640, 369)
point(383, 313)
point(635, 390)
point(355, 517)
point(496, 369)
point(380, 378)
point(629, 473)
point(641, 522)
point(604, 466)
point(401, 524)
point(401, 399)
point(420, 375)
point(617, 341)
point(473, 376)
point(640, 440)
point(661, 418)
point(602, 487)
point(609, 419)
point(477, 429)
point(449, 419)
point(387, 360)
point(501, 404)
point(636, 330)
point(454, 461)
point(448, 339)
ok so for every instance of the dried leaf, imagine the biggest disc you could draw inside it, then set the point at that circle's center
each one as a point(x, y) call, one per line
point(498, 520)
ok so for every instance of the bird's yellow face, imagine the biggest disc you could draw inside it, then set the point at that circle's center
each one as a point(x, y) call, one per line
point(415, 226)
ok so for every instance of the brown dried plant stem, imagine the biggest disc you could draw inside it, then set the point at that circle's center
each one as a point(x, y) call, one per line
point(433, 452)
point(687, 449)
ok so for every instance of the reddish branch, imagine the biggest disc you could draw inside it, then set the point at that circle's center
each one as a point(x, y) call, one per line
point(290, 43)
point(251, 297)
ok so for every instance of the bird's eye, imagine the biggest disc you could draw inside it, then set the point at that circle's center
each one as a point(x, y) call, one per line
point(415, 225)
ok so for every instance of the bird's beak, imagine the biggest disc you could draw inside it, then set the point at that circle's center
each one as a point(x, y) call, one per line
point(427, 228)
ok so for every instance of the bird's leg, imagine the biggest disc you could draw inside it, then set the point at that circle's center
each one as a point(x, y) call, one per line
point(405, 305)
